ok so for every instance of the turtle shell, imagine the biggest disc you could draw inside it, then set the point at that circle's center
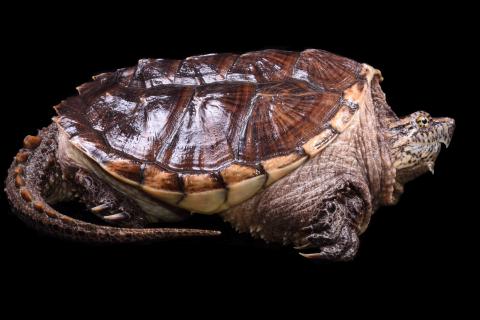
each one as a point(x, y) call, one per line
point(208, 132)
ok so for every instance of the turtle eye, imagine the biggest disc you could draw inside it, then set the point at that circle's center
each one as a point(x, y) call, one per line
point(422, 121)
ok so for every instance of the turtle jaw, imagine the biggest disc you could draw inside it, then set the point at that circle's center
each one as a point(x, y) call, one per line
point(442, 132)
point(444, 128)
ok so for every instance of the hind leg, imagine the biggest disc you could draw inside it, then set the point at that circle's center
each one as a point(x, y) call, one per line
point(106, 203)
point(36, 180)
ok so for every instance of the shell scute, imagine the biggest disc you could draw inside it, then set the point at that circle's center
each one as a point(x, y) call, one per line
point(201, 141)
point(156, 178)
point(236, 172)
point(326, 70)
point(204, 69)
point(283, 116)
point(201, 182)
point(263, 66)
point(155, 72)
point(127, 169)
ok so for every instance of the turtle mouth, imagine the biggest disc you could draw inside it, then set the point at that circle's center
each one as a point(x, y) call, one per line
point(444, 129)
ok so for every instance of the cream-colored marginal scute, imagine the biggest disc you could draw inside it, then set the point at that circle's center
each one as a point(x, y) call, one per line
point(161, 184)
point(205, 202)
point(352, 99)
point(170, 197)
point(203, 193)
point(117, 167)
point(316, 144)
point(242, 182)
point(279, 167)
point(241, 191)
point(342, 119)
point(369, 72)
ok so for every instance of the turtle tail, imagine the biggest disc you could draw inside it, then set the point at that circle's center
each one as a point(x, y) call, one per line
point(27, 184)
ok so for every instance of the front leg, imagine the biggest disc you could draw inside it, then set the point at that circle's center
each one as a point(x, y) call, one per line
point(322, 218)
point(333, 230)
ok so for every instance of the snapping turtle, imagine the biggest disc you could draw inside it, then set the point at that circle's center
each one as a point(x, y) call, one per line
point(296, 148)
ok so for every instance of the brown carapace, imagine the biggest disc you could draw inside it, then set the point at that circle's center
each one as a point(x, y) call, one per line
point(209, 132)
point(215, 134)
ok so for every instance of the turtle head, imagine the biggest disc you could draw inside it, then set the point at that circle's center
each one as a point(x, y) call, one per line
point(415, 142)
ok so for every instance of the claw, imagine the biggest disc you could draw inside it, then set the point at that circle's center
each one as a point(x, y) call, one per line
point(307, 228)
point(302, 246)
point(431, 166)
point(100, 208)
point(311, 256)
point(117, 217)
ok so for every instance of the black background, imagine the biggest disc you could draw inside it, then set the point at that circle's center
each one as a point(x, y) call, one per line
point(425, 243)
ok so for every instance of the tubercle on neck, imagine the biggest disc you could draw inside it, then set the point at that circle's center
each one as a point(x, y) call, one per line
point(390, 189)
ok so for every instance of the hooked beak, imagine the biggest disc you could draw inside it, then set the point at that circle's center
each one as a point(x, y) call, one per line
point(445, 128)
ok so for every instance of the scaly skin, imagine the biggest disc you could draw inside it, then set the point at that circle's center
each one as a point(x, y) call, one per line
point(327, 203)
point(35, 179)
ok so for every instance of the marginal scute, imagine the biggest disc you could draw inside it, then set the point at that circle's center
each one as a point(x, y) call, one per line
point(156, 178)
point(161, 184)
point(279, 167)
point(355, 93)
point(243, 190)
point(201, 182)
point(316, 144)
point(125, 170)
point(342, 118)
point(280, 161)
point(237, 172)
point(170, 197)
point(203, 202)
point(368, 72)
point(85, 88)
point(101, 75)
